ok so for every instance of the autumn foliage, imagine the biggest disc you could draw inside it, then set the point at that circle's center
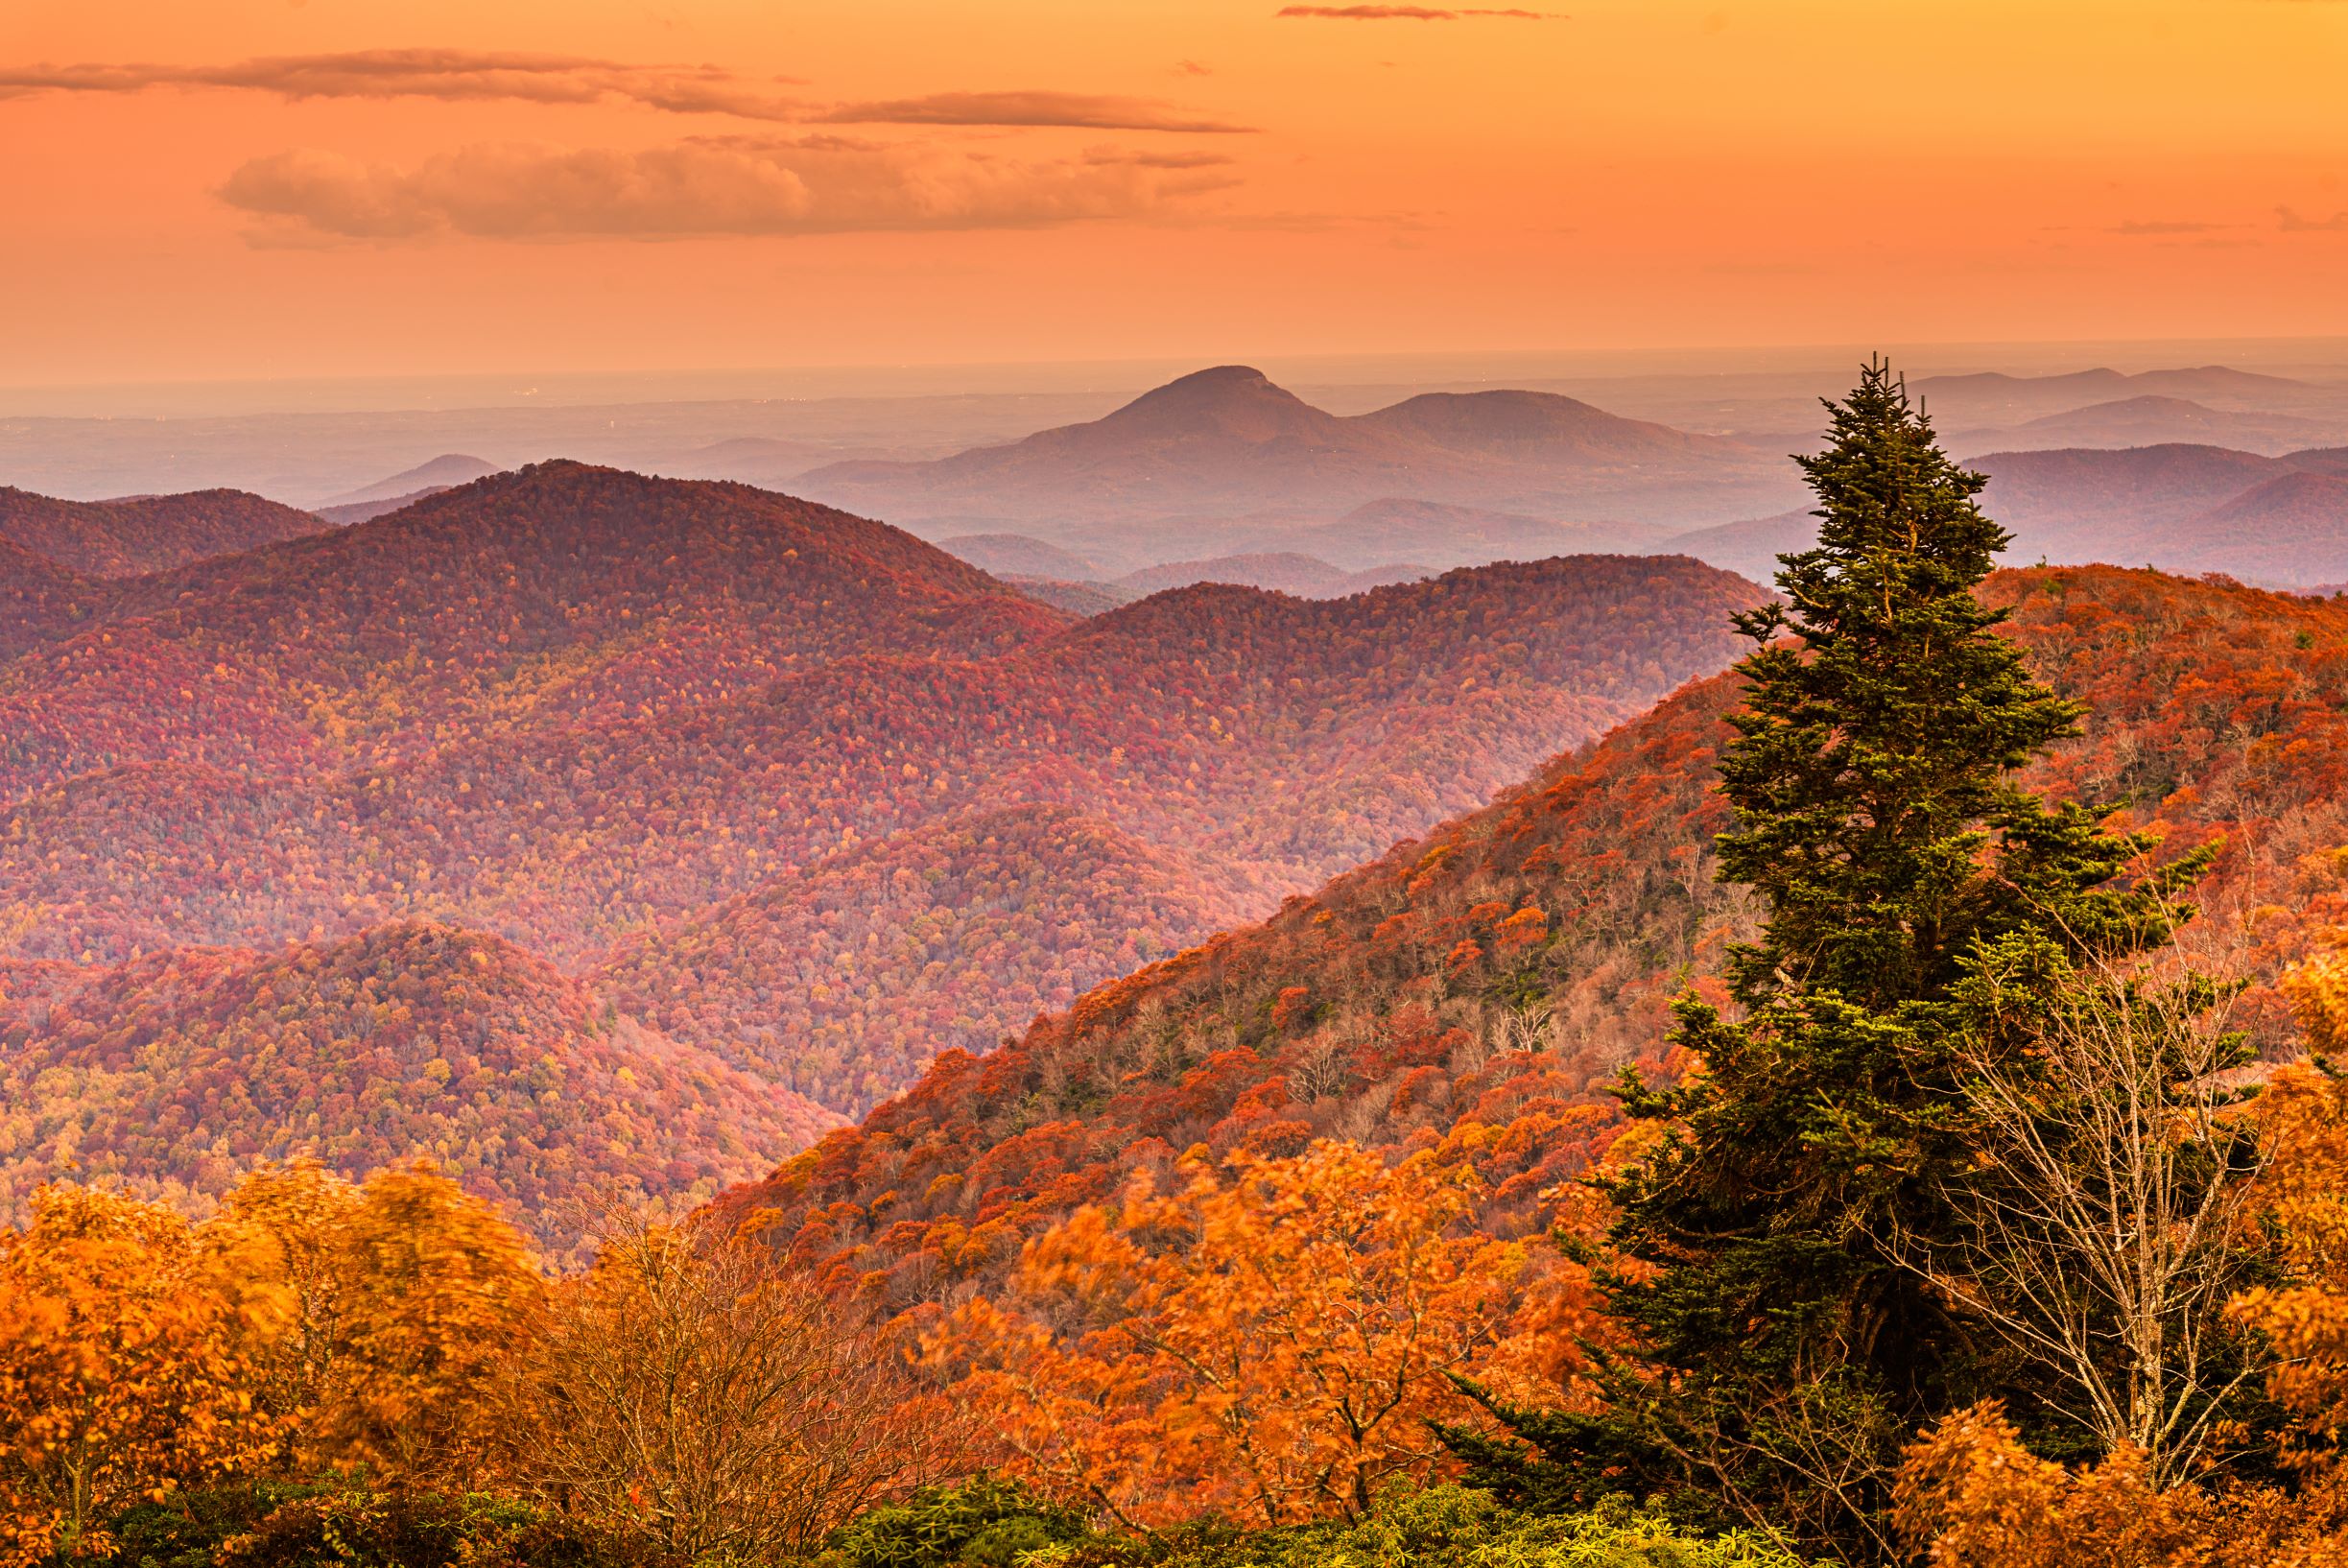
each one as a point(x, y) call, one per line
point(1267, 1341)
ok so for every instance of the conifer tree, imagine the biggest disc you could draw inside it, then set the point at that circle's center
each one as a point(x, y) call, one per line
point(1780, 1357)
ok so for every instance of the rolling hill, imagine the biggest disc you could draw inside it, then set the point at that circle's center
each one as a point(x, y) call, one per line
point(175, 1073)
point(145, 533)
point(1474, 989)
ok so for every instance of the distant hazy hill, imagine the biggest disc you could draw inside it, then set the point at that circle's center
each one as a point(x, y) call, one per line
point(1993, 397)
point(1392, 530)
point(2180, 506)
point(1307, 576)
point(1016, 555)
point(363, 511)
point(441, 473)
point(2150, 420)
point(1228, 442)
point(144, 532)
point(2293, 528)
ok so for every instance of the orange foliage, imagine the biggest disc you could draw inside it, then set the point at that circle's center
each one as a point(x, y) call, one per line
point(2304, 1194)
point(1970, 1496)
point(127, 1347)
point(435, 1292)
point(1267, 1340)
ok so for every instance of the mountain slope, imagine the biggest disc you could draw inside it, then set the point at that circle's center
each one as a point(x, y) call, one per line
point(39, 600)
point(847, 978)
point(145, 533)
point(1476, 987)
point(177, 1073)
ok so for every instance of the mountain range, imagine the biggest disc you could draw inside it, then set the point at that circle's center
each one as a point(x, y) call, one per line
point(1227, 443)
point(2282, 521)
point(784, 795)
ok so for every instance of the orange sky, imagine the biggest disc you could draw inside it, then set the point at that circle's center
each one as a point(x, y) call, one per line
point(237, 188)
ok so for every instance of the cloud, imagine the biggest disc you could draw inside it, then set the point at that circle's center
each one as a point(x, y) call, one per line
point(450, 75)
point(2294, 223)
point(693, 188)
point(459, 75)
point(2163, 225)
point(1409, 14)
point(1092, 111)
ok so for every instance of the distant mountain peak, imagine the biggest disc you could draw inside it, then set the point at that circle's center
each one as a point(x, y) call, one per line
point(1228, 399)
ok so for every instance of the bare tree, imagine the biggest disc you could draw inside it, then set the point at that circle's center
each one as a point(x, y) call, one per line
point(2100, 1240)
point(690, 1390)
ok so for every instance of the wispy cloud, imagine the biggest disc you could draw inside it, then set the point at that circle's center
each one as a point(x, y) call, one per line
point(1410, 14)
point(2165, 225)
point(459, 75)
point(723, 186)
point(450, 75)
point(1091, 111)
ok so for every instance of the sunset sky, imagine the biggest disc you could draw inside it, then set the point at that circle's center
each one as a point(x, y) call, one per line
point(251, 188)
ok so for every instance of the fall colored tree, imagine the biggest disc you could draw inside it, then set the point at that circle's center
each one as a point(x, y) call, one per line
point(427, 1291)
point(296, 1221)
point(1267, 1340)
point(2304, 1201)
point(690, 1392)
point(128, 1355)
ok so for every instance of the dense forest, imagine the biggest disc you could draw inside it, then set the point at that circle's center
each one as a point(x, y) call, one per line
point(1873, 1108)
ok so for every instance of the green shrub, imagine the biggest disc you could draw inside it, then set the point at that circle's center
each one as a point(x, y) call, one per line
point(1454, 1527)
point(985, 1524)
point(345, 1524)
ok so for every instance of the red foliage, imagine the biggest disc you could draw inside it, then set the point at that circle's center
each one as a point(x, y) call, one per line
point(145, 533)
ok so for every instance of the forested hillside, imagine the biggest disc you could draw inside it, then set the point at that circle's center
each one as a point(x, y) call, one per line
point(1482, 983)
point(175, 1074)
point(143, 534)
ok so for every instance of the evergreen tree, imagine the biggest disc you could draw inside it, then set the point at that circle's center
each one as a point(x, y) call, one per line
point(1780, 1357)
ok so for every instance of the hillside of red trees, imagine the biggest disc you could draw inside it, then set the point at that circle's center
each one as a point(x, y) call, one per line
point(561, 593)
point(1474, 990)
point(1271, 741)
point(176, 1074)
point(145, 533)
